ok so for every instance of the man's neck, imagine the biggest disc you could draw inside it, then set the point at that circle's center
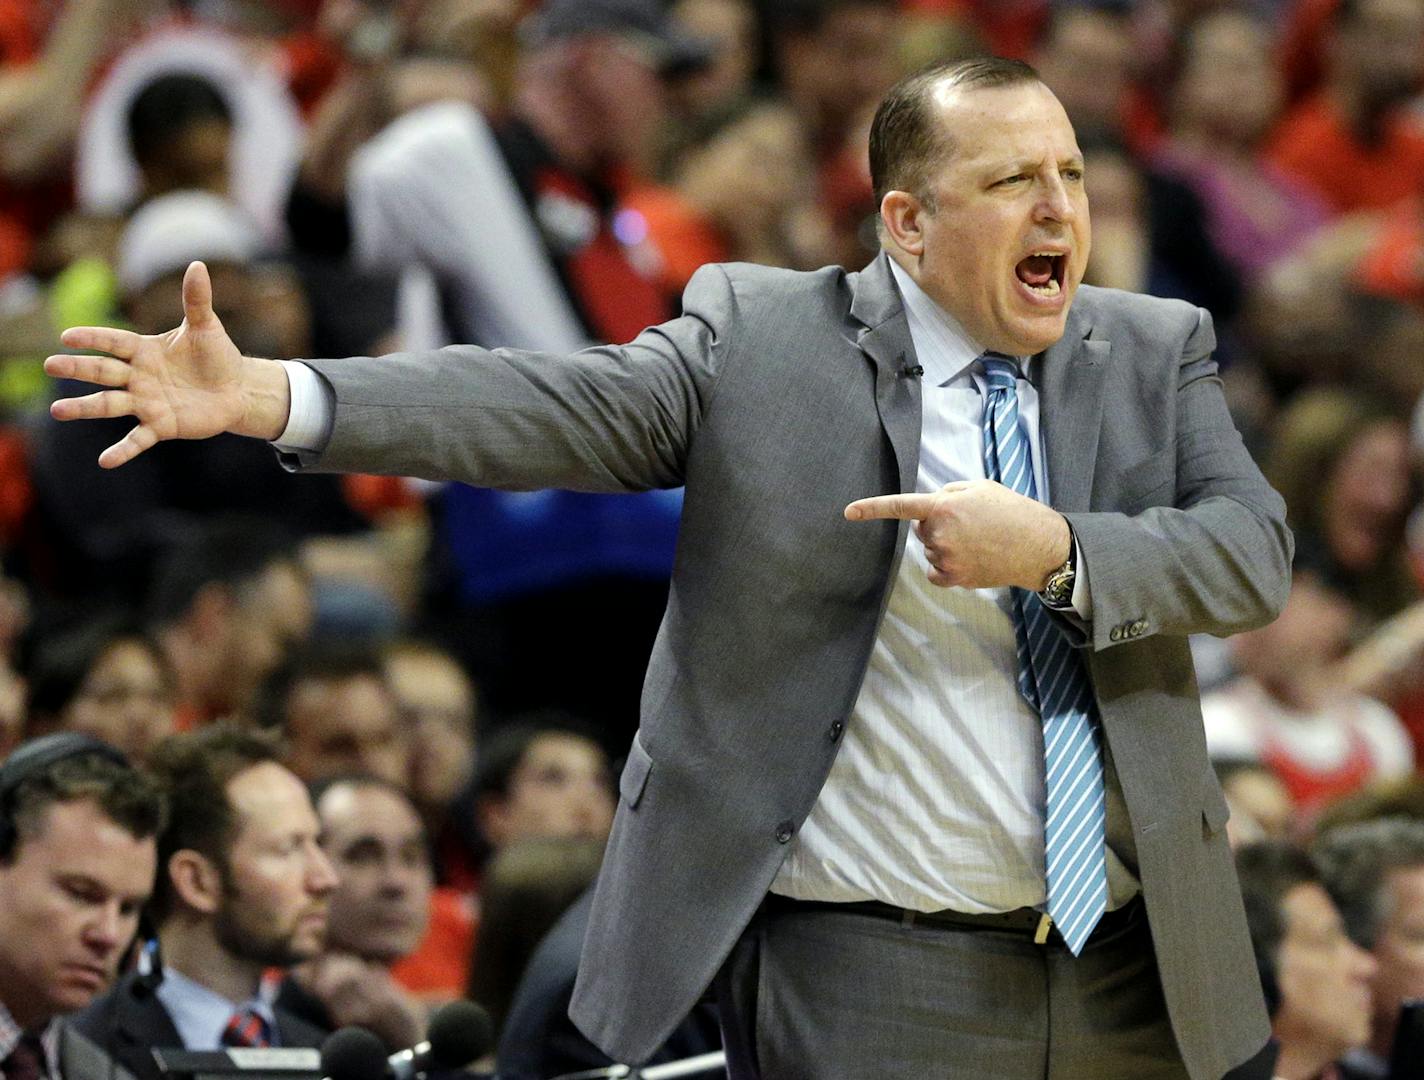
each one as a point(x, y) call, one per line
point(28, 1016)
point(1303, 1059)
point(189, 946)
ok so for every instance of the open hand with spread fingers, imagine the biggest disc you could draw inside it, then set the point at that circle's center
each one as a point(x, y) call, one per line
point(978, 534)
point(190, 383)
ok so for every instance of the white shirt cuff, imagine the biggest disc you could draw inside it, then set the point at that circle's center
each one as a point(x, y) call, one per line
point(313, 410)
point(1082, 601)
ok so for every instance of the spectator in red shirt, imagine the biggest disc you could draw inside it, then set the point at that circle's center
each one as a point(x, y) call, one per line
point(1352, 142)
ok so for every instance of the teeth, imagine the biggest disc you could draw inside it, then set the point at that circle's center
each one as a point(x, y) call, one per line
point(1049, 289)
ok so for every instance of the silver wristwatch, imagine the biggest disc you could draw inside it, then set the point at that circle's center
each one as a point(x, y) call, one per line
point(1057, 592)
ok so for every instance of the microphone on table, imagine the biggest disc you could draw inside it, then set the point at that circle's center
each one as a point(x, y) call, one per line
point(459, 1033)
point(353, 1053)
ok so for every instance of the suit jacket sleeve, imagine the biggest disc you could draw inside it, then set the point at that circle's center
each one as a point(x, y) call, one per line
point(1217, 559)
point(615, 418)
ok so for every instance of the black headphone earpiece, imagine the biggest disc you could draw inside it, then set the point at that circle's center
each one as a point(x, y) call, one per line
point(32, 758)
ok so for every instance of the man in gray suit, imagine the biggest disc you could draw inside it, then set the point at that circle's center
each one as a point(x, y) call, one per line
point(876, 798)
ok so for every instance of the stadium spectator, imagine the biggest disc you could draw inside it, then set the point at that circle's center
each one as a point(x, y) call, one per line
point(1353, 142)
point(542, 778)
point(833, 59)
point(226, 605)
point(105, 678)
point(1087, 56)
point(529, 885)
point(1316, 980)
point(243, 887)
point(117, 523)
point(1375, 873)
point(180, 134)
point(1290, 711)
point(77, 860)
point(1340, 458)
point(539, 1040)
point(1224, 103)
point(437, 705)
point(333, 705)
point(379, 913)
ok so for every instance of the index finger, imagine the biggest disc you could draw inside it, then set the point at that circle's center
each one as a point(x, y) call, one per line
point(912, 507)
point(120, 343)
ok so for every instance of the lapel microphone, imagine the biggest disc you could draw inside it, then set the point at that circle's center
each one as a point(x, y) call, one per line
point(911, 371)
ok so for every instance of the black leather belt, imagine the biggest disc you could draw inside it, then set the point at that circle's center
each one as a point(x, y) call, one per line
point(1027, 921)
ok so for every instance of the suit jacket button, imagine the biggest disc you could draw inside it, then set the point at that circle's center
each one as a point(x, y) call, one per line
point(1115, 634)
point(836, 730)
point(784, 832)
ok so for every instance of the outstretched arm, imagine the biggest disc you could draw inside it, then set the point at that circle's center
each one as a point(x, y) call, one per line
point(190, 383)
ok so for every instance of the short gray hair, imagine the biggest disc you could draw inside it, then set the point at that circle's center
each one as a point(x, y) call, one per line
point(906, 139)
point(1355, 861)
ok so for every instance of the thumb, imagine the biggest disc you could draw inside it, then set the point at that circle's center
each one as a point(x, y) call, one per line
point(198, 297)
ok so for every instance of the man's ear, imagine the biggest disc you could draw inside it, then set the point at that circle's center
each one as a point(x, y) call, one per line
point(901, 214)
point(196, 879)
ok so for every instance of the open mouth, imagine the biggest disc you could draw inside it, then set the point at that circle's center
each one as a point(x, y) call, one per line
point(1042, 273)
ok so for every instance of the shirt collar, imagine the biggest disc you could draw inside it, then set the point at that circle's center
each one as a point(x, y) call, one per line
point(11, 1033)
point(942, 345)
point(201, 1014)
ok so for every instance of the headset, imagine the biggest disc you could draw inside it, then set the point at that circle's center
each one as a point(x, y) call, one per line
point(31, 759)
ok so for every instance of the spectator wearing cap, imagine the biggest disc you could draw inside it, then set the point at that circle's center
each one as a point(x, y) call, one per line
point(109, 532)
point(1316, 980)
point(243, 886)
point(77, 860)
point(1375, 873)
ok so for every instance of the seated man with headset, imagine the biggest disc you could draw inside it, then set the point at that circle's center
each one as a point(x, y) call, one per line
point(78, 828)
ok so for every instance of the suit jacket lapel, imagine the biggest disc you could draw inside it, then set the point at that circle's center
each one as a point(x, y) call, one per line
point(885, 340)
point(1071, 376)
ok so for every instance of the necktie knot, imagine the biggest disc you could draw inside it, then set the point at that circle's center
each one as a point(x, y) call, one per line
point(1000, 372)
point(247, 1027)
point(26, 1061)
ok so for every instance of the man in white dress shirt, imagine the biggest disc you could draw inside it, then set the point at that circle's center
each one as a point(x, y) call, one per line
point(871, 759)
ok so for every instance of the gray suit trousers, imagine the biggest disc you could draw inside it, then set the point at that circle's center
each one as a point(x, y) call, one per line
point(824, 994)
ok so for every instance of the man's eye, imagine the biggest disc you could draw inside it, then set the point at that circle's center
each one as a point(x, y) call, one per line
point(1014, 179)
point(1073, 174)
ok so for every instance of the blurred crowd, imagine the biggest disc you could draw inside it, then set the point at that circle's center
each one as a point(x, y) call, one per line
point(453, 675)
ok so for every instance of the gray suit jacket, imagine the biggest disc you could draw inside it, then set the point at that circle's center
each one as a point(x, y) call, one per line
point(82, 1059)
point(777, 398)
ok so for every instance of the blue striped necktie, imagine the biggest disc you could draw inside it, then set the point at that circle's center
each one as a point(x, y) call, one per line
point(1053, 681)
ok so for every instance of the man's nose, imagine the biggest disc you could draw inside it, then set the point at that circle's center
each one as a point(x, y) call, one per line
point(321, 873)
point(1055, 202)
point(107, 930)
point(1365, 964)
